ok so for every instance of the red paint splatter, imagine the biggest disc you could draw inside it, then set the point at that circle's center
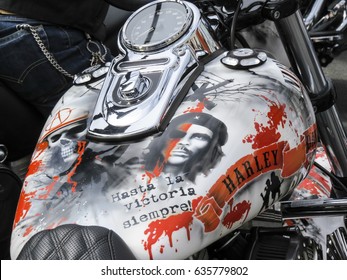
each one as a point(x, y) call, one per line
point(289, 223)
point(161, 250)
point(166, 227)
point(40, 148)
point(49, 188)
point(143, 197)
point(266, 135)
point(80, 151)
point(316, 184)
point(236, 213)
point(322, 180)
point(24, 205)
point(28, 230)
point(150, 176)
point(198, 109)
point(309, 186)
point(34, 167)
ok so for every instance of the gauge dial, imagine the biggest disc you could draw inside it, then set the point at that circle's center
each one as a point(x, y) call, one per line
point(156, 26)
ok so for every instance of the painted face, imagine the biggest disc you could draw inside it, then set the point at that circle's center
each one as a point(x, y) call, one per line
point(195, 138)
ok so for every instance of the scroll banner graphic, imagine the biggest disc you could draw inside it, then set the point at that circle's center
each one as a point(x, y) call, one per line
point(275, 156)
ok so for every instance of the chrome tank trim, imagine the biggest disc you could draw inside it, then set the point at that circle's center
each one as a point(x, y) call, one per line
point(155, 92)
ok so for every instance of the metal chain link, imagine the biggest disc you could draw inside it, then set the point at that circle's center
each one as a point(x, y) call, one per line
point(44, 50)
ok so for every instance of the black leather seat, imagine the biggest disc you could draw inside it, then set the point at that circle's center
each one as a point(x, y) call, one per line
point(75, 242)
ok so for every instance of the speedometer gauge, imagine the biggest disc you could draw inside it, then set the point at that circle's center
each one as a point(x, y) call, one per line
point(156, 26)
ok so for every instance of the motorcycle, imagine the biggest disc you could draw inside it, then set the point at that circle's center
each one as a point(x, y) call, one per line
point(191, 144)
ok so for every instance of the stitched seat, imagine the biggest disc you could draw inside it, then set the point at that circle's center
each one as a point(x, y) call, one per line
point(75, 242)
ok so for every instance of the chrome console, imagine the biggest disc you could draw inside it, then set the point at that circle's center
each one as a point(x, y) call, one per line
point(163, 46)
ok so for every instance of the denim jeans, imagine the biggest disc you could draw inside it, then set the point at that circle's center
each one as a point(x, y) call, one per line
point(26, 70)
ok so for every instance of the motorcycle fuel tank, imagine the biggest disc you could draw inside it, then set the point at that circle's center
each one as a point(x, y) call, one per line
point(237, 141)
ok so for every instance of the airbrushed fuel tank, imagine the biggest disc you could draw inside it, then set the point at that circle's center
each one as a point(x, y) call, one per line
point(239, 141)
point(172, 149)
